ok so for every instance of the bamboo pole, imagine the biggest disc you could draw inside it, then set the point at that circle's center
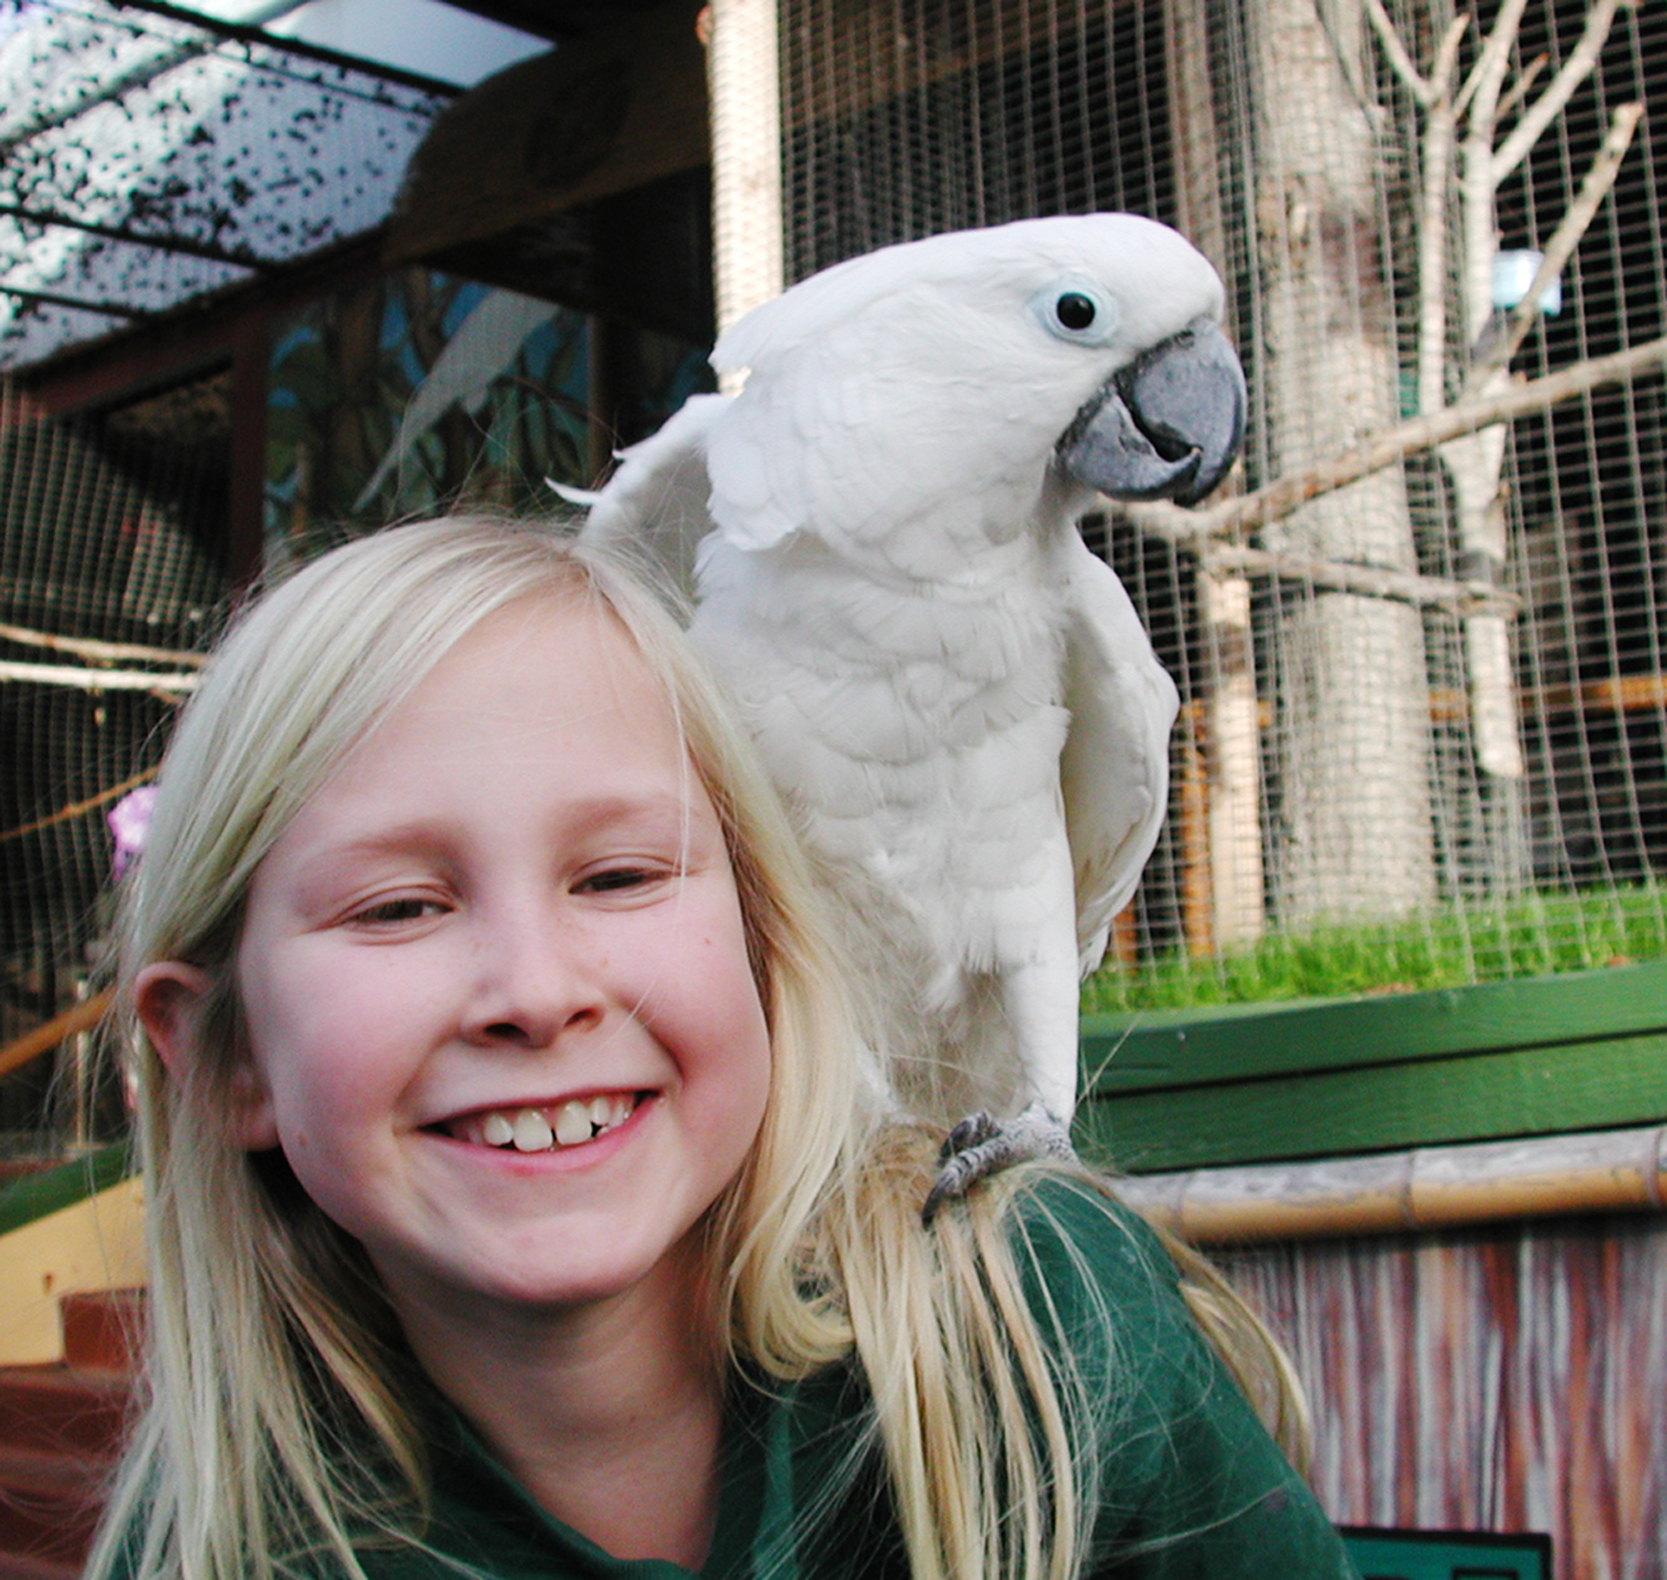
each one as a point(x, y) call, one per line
point(95, 679)
point(32, 1044)
point(1427, 1188)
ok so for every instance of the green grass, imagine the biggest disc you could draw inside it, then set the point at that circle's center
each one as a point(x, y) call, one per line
point(1538, 935)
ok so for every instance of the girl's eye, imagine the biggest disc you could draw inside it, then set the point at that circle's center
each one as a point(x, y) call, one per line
point(614, 880)
point(389, 913)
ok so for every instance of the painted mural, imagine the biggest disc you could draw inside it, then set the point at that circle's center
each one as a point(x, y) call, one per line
point(417, 392)
point(1510, 1380)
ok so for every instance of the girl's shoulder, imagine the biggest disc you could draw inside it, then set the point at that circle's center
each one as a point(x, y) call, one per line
point(1190, 1482)
point(1085, 1255)
point(1109, 1301)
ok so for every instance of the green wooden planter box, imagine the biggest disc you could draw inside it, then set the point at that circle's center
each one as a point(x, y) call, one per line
point(37, 1196)
point(1259, 1083)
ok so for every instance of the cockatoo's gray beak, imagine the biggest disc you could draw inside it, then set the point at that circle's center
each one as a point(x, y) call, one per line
point(1165, 427)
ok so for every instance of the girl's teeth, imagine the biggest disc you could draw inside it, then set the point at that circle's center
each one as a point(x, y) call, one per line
point(532, 1131)
point(573, 1123)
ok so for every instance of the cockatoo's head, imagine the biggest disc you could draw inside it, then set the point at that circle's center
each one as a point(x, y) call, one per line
point(1164, 426)
point(1087, 346)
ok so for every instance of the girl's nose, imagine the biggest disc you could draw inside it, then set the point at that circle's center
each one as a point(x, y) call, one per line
point(536, 981)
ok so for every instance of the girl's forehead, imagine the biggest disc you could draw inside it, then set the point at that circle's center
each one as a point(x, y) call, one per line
point(542, 679)
point(544, 715)
point(569, 635)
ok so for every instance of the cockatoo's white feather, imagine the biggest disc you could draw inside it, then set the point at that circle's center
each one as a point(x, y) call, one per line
point(879, 535)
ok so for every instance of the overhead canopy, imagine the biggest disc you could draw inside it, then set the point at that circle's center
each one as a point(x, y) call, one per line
point(151, 153)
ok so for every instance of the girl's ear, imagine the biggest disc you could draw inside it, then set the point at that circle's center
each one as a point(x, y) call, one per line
point(169, 996)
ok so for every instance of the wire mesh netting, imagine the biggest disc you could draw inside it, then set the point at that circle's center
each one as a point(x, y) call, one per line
point(1422, 731)
point(111, 579)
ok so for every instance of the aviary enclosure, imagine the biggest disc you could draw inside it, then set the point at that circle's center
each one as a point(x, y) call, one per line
point(1419, 639)
point(1423, 731)
point(1425, 726)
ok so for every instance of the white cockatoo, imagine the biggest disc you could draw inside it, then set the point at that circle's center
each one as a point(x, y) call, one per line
point(879, 537)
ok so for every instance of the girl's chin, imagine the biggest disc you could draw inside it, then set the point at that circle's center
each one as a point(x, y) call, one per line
point(547, 1291)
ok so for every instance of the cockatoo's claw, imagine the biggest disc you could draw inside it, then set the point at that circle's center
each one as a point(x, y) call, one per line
point(972, 1131)
point(982, 1145)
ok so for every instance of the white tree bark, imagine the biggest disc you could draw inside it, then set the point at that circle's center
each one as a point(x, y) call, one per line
point(1353, 687)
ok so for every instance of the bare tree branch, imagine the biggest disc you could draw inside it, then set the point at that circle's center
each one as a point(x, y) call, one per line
point(1581, 212)
point(1440, 127)
point(97, 652)
point(1279, 498)
point(75, 809)
point(1447, 56)
point(1439, 130)
point(96, 679)
point(1371, 581)
point(1519, 90)
point(1575, 70)
point(1421, 88)
point(1480, 93)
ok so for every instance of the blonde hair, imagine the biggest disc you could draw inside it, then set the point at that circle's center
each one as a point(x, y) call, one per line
point(273, 1425)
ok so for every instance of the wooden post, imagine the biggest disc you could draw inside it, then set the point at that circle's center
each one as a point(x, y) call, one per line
point(744, 76)
point(1232, 760)
point(1222, 882)
point(1194, 821)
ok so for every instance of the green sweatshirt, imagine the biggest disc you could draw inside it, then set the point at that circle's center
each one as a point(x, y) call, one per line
point(1191, 1485)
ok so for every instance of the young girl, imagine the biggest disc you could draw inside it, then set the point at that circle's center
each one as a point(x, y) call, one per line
point(516, 1203)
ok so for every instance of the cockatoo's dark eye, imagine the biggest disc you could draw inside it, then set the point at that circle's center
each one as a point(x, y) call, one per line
point(1074, 310)
point(1077, 310)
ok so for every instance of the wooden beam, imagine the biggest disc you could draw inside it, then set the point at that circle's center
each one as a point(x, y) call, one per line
point(615, 110)
point(1263, 1083)
point(1427, 1188)
point(191, 340)
point(43, 1039)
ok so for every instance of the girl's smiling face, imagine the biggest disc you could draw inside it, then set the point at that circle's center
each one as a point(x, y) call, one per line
point(501, 1016)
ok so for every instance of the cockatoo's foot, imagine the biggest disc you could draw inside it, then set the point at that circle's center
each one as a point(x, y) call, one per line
point(982, 1145)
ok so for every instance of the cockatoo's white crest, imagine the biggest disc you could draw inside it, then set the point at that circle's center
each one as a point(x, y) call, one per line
point(879, 532)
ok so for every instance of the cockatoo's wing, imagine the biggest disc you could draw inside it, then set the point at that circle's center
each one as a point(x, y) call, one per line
point(657, 505)
point(1115, 768)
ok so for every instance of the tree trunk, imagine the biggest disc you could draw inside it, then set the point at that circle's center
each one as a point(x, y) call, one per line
point(1353, 719)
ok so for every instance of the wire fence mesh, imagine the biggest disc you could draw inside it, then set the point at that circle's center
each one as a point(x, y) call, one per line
point(111, 581)
point(1422, 735)
point(1347, 813)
